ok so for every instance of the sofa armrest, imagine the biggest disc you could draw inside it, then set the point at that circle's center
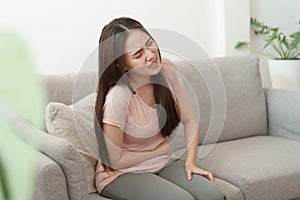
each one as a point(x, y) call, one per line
point(49, 180)
point(63, 153)
point(283, 113)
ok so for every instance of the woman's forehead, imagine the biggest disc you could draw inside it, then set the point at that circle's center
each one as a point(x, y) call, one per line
point(136, 39)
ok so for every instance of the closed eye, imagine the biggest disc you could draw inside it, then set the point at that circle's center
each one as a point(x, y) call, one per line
point(137, 53)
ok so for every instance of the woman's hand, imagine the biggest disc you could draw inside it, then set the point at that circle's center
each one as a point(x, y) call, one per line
point(193, 169)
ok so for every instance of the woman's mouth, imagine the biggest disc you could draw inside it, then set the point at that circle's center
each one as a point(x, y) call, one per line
point(154, 64)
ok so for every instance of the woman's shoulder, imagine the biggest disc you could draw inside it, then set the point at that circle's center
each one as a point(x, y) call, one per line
point(168, 70)
point(119, 92)
point(119, 88)
point(167, 62)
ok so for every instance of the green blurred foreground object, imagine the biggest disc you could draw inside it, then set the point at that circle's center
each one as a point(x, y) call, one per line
point(20, 97)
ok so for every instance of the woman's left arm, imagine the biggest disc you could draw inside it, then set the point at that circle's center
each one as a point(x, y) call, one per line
point(191, 129)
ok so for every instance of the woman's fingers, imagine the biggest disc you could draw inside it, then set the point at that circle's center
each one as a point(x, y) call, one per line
point(206, 174)
point(189, 174)
point(193, 169)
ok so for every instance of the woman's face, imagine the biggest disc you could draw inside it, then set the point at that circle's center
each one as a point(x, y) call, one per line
point(141, 54)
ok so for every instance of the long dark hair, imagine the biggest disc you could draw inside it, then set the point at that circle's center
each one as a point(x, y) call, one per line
point(111, 69)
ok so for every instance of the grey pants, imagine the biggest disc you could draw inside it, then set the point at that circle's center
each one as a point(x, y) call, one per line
point(168, 184)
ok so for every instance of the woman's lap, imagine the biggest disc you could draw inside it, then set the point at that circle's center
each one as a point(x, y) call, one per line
point(170, 183)
point(200, 187)
point(146, 186)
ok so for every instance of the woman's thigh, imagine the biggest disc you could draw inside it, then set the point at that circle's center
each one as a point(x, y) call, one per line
point(144, 186)
point(200, 187)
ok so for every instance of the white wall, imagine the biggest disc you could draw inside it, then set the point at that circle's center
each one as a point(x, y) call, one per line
point(236, 25)
point(61, 34)
point(284, 14)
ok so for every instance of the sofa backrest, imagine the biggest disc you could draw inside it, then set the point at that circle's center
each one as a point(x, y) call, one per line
point(68, 88)
point(245, 110)
point(245, 104)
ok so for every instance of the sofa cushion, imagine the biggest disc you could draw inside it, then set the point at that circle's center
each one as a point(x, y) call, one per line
point(69, 122)
point(284, 113)
point(231, 191)
point(245, 105)
point(263, 167)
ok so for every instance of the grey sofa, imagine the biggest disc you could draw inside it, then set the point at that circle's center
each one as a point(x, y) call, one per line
point(256, 155)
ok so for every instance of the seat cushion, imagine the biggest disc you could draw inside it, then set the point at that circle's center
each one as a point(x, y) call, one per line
point(229, 190)
point(263, 167)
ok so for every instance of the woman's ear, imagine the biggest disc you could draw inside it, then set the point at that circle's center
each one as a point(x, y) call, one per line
point(118, 65)
point(126, 68)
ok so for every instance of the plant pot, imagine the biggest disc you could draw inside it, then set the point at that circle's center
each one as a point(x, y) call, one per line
point(285, 74)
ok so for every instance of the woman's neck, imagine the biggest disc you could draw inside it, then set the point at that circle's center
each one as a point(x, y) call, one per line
point(142, 88)
point(141, 83)
point(146, 92)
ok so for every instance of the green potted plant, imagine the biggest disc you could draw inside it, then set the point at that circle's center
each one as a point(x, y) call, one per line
point(284, 65)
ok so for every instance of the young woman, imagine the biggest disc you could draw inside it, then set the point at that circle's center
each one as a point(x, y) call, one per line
point(140, 101)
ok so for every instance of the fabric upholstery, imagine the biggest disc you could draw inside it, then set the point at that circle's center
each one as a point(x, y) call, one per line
point(66, 121)
point(62, 152)
point(69, 88)
point(50, 182)
point(53, 86)
point(263, 167)
point(245, 100)
point(284, 113)
point(231, 191)
point(65, 154)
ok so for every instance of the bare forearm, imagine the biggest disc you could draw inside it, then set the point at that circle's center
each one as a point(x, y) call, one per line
point(132, 158)
point(121, 159)
point(191, 131)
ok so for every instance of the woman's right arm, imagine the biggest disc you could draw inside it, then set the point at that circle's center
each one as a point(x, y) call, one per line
point(120, 158)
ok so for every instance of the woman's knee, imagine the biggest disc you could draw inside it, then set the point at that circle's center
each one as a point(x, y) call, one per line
point(213, 193)
point(182, 194)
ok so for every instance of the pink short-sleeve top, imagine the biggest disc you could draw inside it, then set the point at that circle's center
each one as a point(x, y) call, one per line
point(127, 110)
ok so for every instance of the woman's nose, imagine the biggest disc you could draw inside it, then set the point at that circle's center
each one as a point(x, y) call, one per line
point(149, 55)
